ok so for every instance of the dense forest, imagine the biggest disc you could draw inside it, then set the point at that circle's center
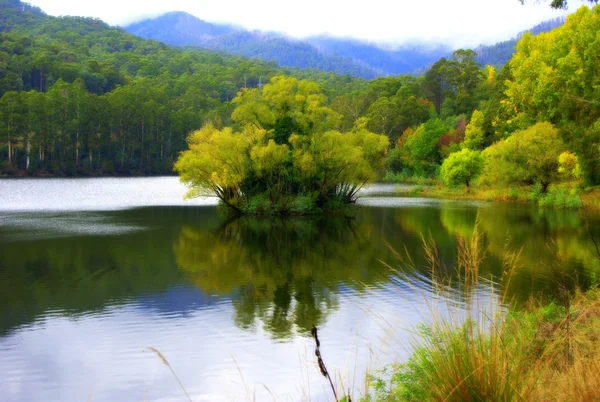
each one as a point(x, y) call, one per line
point(499, 54)
point(79, 97)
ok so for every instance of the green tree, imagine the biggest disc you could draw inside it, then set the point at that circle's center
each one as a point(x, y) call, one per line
point(216, 163)
point(528, 157)
point(555, 79)
point(284, 150)
point(465, 77)
point(475, 133)
point(462, 168)
point(384, 116)
point(421, 149)
point(437, 83)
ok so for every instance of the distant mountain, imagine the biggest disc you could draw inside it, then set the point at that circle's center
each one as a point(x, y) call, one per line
point(179, 29)
point(404, 60)
point(500, 53)
point(342, 56)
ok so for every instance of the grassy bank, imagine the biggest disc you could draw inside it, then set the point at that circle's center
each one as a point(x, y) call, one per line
point(562, 195)
point(482, 347)
point(547, 353)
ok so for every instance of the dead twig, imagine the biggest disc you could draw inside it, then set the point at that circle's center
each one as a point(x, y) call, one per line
point(321, 362)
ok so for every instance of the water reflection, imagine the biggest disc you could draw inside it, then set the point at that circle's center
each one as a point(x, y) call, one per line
point(203, 289)
point(285, 273)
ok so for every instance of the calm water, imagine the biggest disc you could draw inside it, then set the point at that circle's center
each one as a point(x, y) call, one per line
point(93, 271)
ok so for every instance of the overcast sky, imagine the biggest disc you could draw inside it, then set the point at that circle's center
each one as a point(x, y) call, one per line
point(459, 23)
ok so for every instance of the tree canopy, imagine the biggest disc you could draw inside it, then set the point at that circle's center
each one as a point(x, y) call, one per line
point(529, 156)
point(555, 79)
point(285, 156)
point(462, 167)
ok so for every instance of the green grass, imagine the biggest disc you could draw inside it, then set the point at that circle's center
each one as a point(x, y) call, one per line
point(540, 352)
point(566, 195)
point(549, 353)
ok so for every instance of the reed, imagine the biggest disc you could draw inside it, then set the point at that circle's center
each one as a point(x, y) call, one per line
point(478, 348)
point(166, 362)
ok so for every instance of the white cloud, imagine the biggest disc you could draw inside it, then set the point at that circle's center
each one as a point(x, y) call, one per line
point(459, 23)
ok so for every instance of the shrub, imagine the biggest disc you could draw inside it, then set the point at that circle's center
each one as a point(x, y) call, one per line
point(462, 168)
point(527, 157)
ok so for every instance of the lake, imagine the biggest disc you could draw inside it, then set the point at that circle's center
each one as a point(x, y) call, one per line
point(95, 271)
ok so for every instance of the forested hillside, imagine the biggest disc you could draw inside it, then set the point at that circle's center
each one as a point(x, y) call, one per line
point(499, 54)
point(80, 97)
point(342, 56)
point(18, 15)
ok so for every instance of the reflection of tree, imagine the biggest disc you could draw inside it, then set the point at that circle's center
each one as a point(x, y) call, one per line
point(554, 245)
point(459, 221)
point(284, 272)
point(554, 248)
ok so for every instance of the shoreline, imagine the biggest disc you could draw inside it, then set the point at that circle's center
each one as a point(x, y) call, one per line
point(589, 199)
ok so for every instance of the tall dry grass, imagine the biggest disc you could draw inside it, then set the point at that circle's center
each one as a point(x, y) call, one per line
point(481, 350)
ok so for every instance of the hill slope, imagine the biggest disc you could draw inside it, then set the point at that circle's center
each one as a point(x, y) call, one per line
point(78, 96)
point(18, 15)
point(500, 53)
point(342, 56)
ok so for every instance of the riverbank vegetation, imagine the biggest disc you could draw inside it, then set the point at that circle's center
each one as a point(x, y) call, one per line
point(546, 353)
point(536, 128)
point(476, 349)
point(570, 195)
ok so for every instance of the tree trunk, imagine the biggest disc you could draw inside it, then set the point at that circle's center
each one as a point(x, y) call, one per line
point(9, 143)
point(142, 147)
point(170, 147)
point(545, 186)
point(77, 149)
point(28, 154)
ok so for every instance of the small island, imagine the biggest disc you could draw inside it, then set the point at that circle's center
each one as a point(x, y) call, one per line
point(284, 155)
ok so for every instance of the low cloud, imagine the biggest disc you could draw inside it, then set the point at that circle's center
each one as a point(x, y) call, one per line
point(458, 23)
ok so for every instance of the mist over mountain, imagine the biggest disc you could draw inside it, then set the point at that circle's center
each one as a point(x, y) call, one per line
point(342, 56)
point(332, 54)
point(500, 53)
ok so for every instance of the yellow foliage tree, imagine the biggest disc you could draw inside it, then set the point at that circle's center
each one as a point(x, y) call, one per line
point(286, 148)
